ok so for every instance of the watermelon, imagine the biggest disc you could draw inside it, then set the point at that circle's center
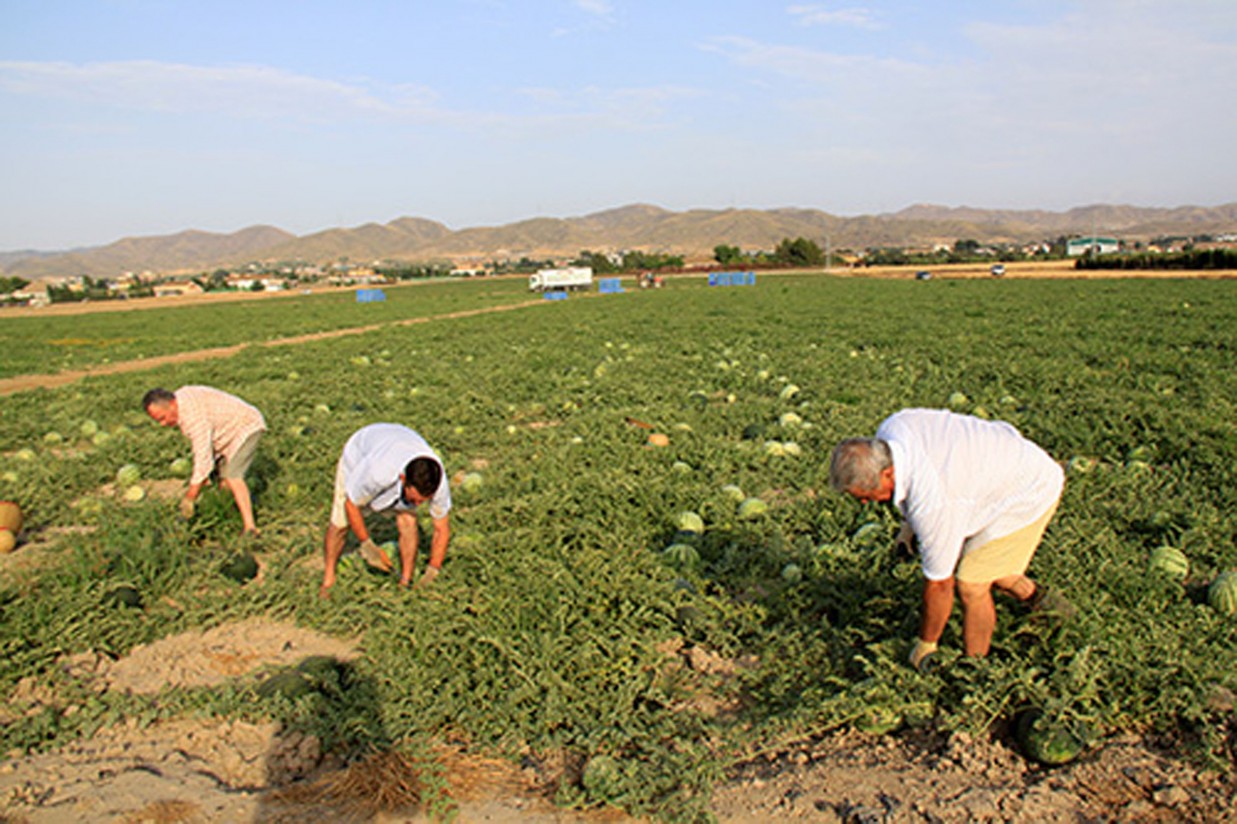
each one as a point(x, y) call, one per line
point(753, 432)
point(958, 399)
point(1222, 594)
point(240, 568)
point(788, 392)
point(1049, 741)
point(181, 468)
point(25, 454)
point(134, 493)
point(603, 778)
point(752, 508)
point(321, 668)
point(89, 429)
point(681, 556)
point(1170, 562)
point(789, 420)
point(124, 596)
point(734, 493)
point(774, 449)
point(100, 438)
point(688, 521)
point(10, 516)
point(286, 683)
point(8, 541)
point(128, 475)
point(472, 482)
point(792, 574)
point(792, 449)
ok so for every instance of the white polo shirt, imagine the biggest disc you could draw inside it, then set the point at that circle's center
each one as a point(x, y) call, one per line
point(374, 458)
point(961, 482)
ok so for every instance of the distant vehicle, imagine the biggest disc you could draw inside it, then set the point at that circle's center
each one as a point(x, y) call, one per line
point(923, 274)
point(573, 277)
point(998, 270)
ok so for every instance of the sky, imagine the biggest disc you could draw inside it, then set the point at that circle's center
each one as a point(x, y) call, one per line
point(123, 118)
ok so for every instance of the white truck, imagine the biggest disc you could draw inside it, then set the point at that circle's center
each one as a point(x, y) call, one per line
point(572, 277)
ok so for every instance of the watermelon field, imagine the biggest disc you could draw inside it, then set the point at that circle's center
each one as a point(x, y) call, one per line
point(649, 580)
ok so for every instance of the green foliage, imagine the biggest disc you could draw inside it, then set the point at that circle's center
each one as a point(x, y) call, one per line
point(548, 629)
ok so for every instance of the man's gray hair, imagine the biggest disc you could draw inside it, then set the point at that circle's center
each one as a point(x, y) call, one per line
point(857, 463)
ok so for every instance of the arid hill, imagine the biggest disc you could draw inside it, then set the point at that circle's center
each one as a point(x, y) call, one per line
point(693, 233)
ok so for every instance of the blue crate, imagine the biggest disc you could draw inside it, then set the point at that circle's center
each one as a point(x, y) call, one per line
point(610, 286)
point(555, 296)
point(370, 296)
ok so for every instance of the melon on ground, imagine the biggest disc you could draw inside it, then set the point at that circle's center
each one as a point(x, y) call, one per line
point(1222, 594)
point(10, 516)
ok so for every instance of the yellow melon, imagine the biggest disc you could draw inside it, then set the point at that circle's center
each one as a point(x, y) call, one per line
point(8, 542)
point(10, 516)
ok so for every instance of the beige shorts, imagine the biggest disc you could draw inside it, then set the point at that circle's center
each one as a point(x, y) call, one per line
point(1005, 556)
point(236, 466)
point(339, 517)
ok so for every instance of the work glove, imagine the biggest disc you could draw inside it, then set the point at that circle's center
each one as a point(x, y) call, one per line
point(904, 544)
point(427, 577)
point(375, 556)
point(923, 655)
point(187, 507)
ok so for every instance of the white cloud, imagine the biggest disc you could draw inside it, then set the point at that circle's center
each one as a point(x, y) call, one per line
point(250, 91)
point(818, 15)
point(601, 8)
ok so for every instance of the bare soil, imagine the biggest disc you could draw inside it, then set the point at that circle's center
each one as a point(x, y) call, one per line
point(210, 769)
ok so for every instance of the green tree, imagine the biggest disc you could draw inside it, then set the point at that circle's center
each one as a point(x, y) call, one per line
point(798, 252)
point(727, 255)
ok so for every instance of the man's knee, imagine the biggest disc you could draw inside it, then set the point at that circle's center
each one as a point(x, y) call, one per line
point(970, 592)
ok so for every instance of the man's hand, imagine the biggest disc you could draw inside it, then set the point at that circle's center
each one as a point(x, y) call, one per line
point(186, 508)
point(923, 655)
point(904, 544)
point(427, 577)
point(375, 556)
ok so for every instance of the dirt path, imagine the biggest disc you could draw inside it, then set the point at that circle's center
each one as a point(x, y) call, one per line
point(25, 383)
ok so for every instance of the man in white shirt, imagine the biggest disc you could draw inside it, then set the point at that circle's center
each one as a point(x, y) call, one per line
point(386, 466)
point(977, 496)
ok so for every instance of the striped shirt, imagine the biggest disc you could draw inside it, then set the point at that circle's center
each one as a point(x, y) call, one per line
point(217, 425)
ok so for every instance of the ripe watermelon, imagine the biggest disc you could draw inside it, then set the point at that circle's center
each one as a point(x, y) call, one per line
point(1170, 562)
point(124, 596)
point(603, 778)
point(681, 556)
point(688, 521)
point(128, 475)
point(472, 482)
point(734, 493)
point(752, 508)
point(792, 574)
point(287, 683)
point(240, 568)
point(1222, 594)
point(181, 467)
point(1049, 741)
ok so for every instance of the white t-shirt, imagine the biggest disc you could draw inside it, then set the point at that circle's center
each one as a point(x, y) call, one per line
point(961, 482)
point(374, 458)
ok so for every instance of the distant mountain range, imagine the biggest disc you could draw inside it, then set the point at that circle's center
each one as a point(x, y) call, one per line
point(693, 234)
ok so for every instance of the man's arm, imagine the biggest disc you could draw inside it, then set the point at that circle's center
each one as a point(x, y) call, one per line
point(356, 521)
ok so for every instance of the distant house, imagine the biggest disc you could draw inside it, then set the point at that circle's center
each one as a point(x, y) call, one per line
point(1079, 246)
point(176, 288)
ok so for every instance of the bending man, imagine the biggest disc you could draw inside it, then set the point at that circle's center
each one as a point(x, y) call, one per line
point(977, 495)
point(222, 429)
point(385, 466)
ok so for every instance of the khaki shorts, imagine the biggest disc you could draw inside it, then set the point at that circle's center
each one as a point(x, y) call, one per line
point(1004, 556)
point(236, 466)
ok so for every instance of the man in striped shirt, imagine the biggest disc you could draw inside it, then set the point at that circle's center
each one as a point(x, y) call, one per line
point(223, 431)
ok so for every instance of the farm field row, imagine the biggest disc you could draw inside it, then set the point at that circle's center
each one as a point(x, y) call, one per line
point(548, 632)
point(41, 342)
